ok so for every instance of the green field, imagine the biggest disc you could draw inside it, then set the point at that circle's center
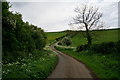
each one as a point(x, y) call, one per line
point(51, 36)
point(98, 37)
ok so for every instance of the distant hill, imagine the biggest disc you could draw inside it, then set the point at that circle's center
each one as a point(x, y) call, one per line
point(51, 36)
point(91, 30)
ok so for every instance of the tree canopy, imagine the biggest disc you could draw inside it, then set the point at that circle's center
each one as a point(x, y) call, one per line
point(19, 38)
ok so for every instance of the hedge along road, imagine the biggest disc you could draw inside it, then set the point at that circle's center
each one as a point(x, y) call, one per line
point(69, 67)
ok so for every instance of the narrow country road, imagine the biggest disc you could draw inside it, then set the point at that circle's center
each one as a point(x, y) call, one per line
point(68, 67)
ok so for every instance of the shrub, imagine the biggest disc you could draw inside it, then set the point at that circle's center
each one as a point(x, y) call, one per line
point(66, 41)
point(81, 48)
point(105, 48)
point(60, 43)
point(118, 46)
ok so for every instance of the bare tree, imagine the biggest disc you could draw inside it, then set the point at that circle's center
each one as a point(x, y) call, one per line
point(88, 18)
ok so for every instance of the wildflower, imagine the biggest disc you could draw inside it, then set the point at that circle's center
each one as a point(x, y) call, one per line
point(8, 70)
point(24, 65)
point(103, 56)
point(9, 64)
point(3, 72)
point(17, 62)
point(30, 54)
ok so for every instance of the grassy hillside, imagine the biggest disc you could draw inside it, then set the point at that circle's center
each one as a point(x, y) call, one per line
point(51, 36)
point(98, 37)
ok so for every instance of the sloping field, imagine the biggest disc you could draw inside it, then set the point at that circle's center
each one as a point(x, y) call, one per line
point(98, 37)
point(51, 36)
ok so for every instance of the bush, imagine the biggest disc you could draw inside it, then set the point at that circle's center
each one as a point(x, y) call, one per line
point(81, 48)
point(105, 48)
point(60, 43)
point(66, 41)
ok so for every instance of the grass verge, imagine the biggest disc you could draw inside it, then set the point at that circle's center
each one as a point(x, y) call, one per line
point(32, 67)
point(105, 66)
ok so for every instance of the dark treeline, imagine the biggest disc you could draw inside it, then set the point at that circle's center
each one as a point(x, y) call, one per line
point(19, 39)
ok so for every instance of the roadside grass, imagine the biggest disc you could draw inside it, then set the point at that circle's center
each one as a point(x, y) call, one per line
point(98, 37)
point(51, 36)
point(34, 67)
point(60, 47)
point(104, 65)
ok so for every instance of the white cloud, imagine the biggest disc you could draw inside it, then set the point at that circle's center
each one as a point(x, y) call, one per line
point(63, 1)
point(55, 15)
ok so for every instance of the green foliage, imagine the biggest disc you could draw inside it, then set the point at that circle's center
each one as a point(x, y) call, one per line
point(23, 55)
point(19, 38)
point(66, 41)
point(60, 43)
point(106, 48)
point(82, 47)
point(33, 67)
point(103, 48)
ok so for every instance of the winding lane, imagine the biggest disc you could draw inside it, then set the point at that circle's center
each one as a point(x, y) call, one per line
point(69, 67)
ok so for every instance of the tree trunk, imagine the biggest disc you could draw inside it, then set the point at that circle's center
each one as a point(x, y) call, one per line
point(89, 39)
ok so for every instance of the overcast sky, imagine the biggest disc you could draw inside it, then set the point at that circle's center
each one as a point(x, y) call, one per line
point(55, 15)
